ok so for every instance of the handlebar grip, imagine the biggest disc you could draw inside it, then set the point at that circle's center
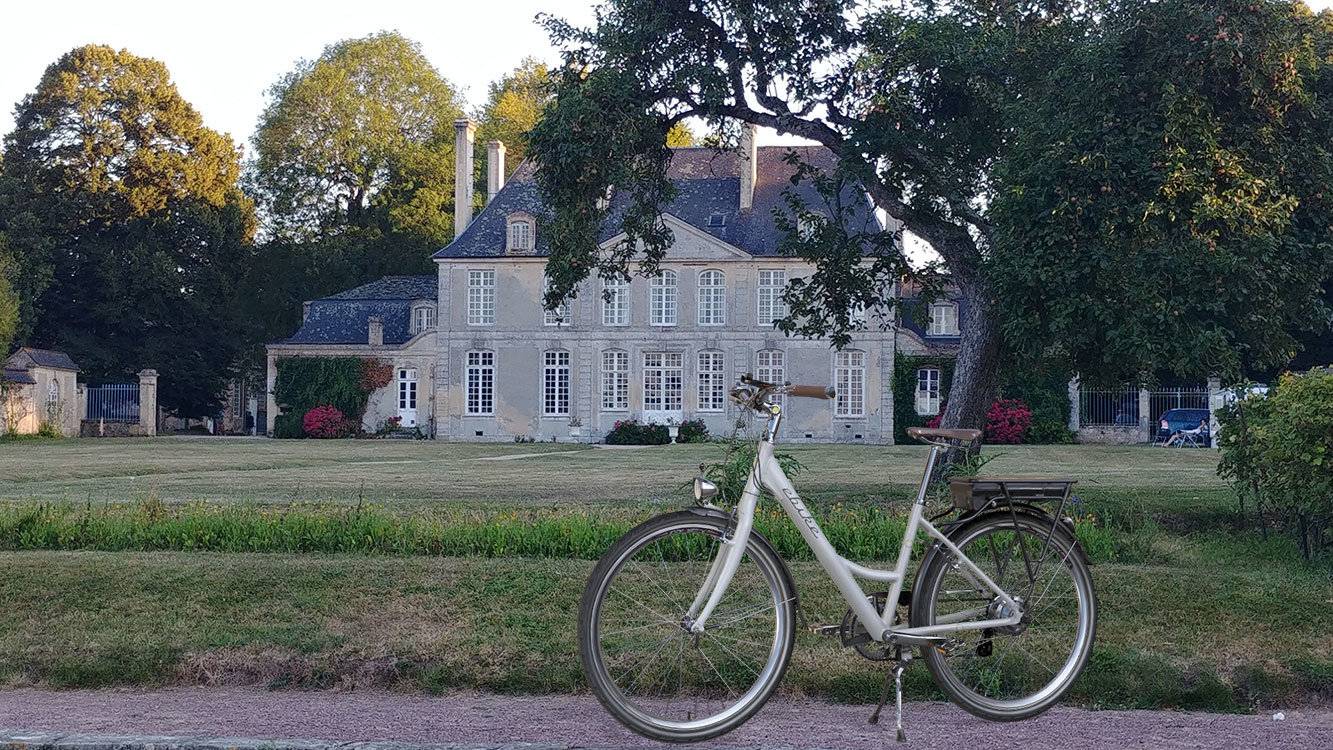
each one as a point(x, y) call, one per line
point(811, 391)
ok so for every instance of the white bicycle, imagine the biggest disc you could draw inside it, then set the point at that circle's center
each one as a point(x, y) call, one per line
point(688, 622)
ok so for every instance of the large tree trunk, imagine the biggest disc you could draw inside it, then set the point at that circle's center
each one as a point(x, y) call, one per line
point(975, 374)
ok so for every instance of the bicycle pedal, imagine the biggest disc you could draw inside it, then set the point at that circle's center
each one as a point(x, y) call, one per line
point(826, 630)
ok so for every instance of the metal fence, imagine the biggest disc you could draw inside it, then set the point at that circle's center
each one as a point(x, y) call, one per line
point(1116, 407)
point(1164, 399)
point(114, 402)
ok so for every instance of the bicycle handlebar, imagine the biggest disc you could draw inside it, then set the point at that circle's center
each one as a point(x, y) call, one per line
point(762, 389)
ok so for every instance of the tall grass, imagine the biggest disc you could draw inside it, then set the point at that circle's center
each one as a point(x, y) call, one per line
point(858, 532)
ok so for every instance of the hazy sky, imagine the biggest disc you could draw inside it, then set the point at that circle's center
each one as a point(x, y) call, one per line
point(224, 58)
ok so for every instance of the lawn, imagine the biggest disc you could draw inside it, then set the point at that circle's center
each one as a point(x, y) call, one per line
point(414, 474)
point(1196, 611)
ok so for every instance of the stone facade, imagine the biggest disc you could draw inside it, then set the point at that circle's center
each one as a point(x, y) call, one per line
point(40, 387)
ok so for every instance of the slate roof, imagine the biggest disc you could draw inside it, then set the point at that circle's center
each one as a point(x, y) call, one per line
point(41, 358)
point(17, 376)
point(344, 318)
point(708, 183)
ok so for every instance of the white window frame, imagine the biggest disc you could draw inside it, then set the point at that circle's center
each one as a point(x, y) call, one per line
point(560, 315)
point(418, 323)
point(520, 234)
point(849, 379)
point(771, 367)
point(663, 307)
point(615, 311)
point(928, 391)
point(479, 383)
point(943, 319)
point(615, 380)
point(711, 380)
point(665, 371)
point(770, 307)
point(481, 297)
point(556, 383)
point(712, 297)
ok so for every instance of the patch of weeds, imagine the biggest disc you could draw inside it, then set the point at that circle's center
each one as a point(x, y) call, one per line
point(1123, 678)
point(1314, 675)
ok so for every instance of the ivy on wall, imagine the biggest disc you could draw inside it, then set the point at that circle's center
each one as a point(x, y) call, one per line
point(344, 383)
point(904, 390)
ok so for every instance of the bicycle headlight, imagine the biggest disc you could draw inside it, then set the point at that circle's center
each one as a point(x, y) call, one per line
point(704, 489)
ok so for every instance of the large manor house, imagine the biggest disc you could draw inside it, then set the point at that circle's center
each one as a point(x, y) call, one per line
point(477, 357)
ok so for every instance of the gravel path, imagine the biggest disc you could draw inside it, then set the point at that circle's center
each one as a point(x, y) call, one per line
point(478, 719)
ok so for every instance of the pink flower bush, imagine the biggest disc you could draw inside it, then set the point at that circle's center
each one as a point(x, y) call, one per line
point(1007, 421)
point(325, 422)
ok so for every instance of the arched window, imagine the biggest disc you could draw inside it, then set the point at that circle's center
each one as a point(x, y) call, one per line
point(53, 392)
point(615, 302)
point(771, 367)
point(663, 300)
point(521, 233)
point(712, 298)
point(423, 318)
point(560, 315)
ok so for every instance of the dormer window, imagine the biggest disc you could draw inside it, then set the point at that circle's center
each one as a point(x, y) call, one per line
point(717, 219)
point(423, 318)
point(521, 233)
point(943, 319)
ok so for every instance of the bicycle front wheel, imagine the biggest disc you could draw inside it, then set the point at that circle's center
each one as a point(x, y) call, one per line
point(1005, 674)
point(641, 660)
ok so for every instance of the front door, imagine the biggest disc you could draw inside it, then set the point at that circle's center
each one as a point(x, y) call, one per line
point(407, 397)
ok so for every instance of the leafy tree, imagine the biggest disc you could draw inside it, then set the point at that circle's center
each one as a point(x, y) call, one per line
point(359, 141)
point(122, 212)
point(513, 106)
point(9, 300)
point(1080, 167)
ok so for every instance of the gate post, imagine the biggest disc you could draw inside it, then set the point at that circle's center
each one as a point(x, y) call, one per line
point(148, 402)
point(1215, 403)
point(1074, 415)
point(1145, 416)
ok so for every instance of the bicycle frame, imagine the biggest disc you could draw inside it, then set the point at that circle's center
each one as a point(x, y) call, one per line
point(767, 473)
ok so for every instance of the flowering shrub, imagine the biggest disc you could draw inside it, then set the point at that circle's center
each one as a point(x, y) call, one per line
point(693, 431)
point(1007, 421)
point(634, 432)
point(325, 422)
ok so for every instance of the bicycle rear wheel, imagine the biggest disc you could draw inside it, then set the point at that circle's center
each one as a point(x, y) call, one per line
point(1005, 674)
point(642, 662)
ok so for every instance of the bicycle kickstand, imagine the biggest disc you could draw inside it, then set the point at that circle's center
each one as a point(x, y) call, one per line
point(895, 677)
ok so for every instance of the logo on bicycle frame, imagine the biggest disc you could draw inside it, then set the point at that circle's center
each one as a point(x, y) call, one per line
point(803, 512)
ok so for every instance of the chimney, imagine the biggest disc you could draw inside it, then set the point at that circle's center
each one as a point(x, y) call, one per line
point(495, 168)
point(375, 331)
point(749, 160)
point(464, 130)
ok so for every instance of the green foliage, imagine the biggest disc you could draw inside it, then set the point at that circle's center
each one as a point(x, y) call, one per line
point(1122, 185)
point(1166, 204)
point(1044, 387)
point(359, 140)
point(304, 383)
point(9, 299)
point(904, 390)
point(731, 472)
point(513, 106)
point(48, 429)
point(122, 214)
point(1277, 451)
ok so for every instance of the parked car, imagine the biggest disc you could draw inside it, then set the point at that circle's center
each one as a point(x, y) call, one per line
point(1175, 420)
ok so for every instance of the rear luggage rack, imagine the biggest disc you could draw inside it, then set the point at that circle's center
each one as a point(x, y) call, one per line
point(976, 493)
